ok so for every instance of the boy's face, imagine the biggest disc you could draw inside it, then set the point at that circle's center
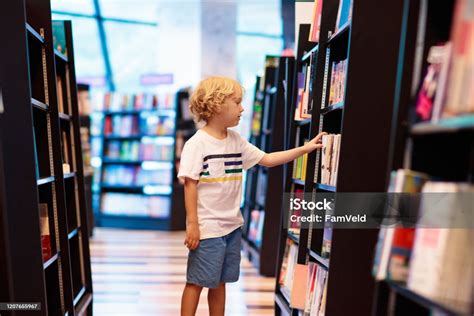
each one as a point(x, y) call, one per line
point(231, 110)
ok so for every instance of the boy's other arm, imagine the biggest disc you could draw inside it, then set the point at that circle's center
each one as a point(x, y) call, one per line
point(192, 226)
point(281, 157)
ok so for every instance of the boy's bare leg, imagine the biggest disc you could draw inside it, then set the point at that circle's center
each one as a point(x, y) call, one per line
point(190, 299)
point(216, 300)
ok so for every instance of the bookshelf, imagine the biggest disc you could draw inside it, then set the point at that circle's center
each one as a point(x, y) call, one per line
point(133, 145)
point(261, 211)
point(417, 136)
point(47, 253)
point(344, 89)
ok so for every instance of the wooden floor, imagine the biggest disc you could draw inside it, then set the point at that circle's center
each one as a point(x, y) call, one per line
point(143, 273)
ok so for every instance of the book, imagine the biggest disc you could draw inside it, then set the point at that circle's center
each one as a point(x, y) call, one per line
point(344, 14)
point(316, 21)
point(45, 232)
point(298, 290)
point(60, 95)
point(330, 158)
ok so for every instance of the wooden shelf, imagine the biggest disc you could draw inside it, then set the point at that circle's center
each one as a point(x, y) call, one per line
point(79, 296)
point(303, 122)
point(424, 301)
point(333, 107)
point(60, 56)
point(293, 237)
point(323, 262)
point(34, 34)
point(39, 105)
point(81, 306)
point(449, 125)
point(339, 34)
point(64, 117)
point(46, 180)
point(308, 54)
point(50, 261)
point(325, 187)
point(69, 175)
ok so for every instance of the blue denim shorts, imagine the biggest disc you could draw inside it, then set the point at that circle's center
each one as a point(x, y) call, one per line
point(216, 260)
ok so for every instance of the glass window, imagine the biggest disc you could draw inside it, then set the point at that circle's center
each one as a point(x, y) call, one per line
point(73, 6)
point(132, 54)
point(89, 62)
point(143, 10)
point(263, 16)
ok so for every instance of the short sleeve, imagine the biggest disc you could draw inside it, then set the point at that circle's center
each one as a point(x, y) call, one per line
point(190, 165)
point(251, 155)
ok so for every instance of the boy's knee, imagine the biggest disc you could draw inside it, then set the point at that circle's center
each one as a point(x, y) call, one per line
point(194, 287)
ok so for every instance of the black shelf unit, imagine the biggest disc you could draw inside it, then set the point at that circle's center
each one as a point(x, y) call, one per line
point(264, 183)
point(370, 38)
point(156, 191)
point(415, 144)
point(36, 142)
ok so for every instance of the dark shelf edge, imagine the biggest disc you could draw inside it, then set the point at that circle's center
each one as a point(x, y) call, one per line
point(450, 125)
point(35, 34)
point(293, 237)
point(39, 105)
point(303, 122)
point(79, 296)
point(60, 56)
point(45, 180)
point(420, 299)
point(69, 175)
point(50, 261)
point(334, 107)
point(340, 32)
point(64, 116)
point(311, 51)
point(298, 181)
point(81, 306)
point(282, 303)
point(325, 187)
point(323, 262)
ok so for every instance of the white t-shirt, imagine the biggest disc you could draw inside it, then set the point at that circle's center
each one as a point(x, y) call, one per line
point(218, 164)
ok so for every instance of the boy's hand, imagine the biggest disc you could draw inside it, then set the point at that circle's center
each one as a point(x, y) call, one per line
point(192, 236)
point(315, 143)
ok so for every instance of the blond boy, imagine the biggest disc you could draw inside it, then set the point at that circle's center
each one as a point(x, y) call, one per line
point(211, 165)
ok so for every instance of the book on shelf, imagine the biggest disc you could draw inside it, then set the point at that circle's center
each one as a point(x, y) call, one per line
point(300, 166)
point(327, 241)
point(442, 261)
point(315, 29)
point(66, 168)
point(288, 265)
point(344, 13)
point(135, 205)
point(330, 159)
point(117, 102)
point(60, 95)
point(460, 95)
point(394, 245)
point(259, 235)
point(303, 102)
point(315, 288)
point(299, 284)
point(120, 175)
point(338, 82)
point(59, 37)
point(44, 230)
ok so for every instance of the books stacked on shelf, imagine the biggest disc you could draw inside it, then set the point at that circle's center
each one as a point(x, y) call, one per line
point(257, 115)
point(344, 14)
point(338, 82)
point(135, 205)
point(300, 166)
point(59, 37)
point(316, 21)
point(131, 125)
point(137, 151)
point(121, 126)
point(304, 105)
point(150, 124)
point(289, 263)
point(316, 290)
point(45, 232)
point(330, 159)
point(262, 184)
point(59, 89)
point(116, 102)
point(135, 176)
point(257, 218)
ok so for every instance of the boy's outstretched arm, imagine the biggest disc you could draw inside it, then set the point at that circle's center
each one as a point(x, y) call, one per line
point(192, 226)
point(282, 157)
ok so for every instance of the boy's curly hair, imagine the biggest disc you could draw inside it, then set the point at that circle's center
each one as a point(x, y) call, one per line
point(210, 94)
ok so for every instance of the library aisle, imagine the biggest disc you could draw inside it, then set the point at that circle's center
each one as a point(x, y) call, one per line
point(143, 273)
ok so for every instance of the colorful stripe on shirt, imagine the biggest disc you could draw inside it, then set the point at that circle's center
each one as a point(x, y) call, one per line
point(233, 168)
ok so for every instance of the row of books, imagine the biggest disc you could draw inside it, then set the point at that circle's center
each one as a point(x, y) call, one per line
point(135, 205)
point(262, 184)
point(315, 28)
point(304, 104)
point(135, 150)
point(60, 94)
point(315, 304)
point(446, 90)
point(257, 218)
point(257, 117)
point(115, 102)
point(428, 260)
point(338, 82)
point(128, 125)
point(135, 176)
point(330, 158)
point(300, 167)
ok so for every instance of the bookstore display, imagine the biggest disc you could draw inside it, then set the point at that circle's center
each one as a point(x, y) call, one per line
point(133, 145)
point(260, 210)
point(47, 252)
